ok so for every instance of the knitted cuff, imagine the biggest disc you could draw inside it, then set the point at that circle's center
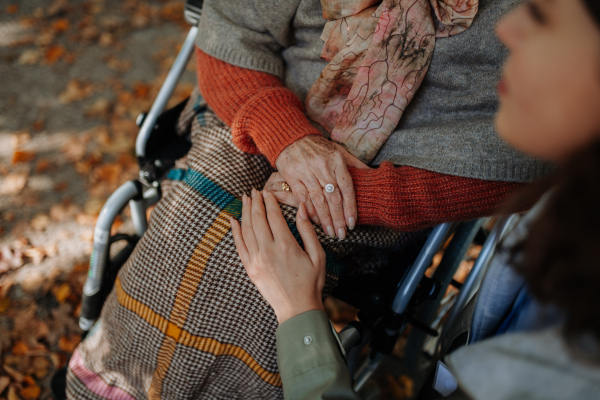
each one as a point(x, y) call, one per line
point(373, 189)
point(273, 118)
point(408, 198)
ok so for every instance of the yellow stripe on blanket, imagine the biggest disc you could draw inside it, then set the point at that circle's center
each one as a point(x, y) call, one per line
point(173, 327)
point(223, 349)
point(140, 308)
point(185, 294)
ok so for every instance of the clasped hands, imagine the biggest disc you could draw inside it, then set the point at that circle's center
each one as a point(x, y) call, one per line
point(308, 165)
point(290, 278)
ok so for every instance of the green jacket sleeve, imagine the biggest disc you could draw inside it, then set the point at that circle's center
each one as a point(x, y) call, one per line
point(310, 360)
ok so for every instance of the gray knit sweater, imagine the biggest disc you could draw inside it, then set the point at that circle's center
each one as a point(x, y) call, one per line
point(448, 127)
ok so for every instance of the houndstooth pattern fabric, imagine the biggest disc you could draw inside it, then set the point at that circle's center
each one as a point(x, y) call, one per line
point(184, 321)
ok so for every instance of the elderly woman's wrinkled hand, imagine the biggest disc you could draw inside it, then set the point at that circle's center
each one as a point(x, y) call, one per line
point(289, 278)
point(309, 166)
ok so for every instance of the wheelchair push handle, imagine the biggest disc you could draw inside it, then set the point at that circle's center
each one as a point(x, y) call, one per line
point(165, 93)
point(91, 301)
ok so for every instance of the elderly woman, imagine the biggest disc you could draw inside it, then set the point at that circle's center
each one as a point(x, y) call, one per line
point(382, 128)
point(535, 327)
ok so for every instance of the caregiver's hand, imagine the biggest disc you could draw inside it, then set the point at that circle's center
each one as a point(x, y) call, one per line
point(308, 165)
point(289, 278)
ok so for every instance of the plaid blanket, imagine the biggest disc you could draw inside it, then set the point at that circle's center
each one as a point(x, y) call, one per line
point(183, 320)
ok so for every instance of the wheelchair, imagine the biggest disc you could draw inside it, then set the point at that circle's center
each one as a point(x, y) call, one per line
point(400, 296)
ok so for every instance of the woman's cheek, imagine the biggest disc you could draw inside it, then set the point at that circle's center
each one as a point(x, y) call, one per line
point(523, 125)
point(511, 125)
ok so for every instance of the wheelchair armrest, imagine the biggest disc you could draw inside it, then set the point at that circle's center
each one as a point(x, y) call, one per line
point(163, 133)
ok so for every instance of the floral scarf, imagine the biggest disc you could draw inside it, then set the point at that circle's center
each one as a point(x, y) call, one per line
point(378, 54)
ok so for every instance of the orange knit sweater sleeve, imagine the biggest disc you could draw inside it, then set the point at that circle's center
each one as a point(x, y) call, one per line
point(265, 117)
point(408, 198)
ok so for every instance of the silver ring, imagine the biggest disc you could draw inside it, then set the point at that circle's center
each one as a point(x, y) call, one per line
point(329, 188)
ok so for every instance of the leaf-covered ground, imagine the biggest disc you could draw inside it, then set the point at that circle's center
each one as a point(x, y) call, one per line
point(74, 74)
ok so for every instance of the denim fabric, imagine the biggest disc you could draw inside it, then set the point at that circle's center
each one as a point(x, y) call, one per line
point(504, 304)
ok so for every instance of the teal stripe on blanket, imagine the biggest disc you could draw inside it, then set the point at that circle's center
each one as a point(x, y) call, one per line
point(226, 201)
point(207, 188)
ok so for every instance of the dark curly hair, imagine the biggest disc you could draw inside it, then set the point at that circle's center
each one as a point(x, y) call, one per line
point(593, 7)
point(561, 255)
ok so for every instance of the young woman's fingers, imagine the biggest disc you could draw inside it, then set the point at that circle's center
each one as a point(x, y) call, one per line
point(279, 227)
point(247, 229)
point(260, 225)
point(312, 246)
point(236, 229)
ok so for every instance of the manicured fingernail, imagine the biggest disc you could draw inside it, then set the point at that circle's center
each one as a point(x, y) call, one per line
point(302, 212)
point(244, 199)
point(341, 233)
point(254, 193)
point(351, 223)
point(230, 221)
point(317, 221)
point(266, 193)
point(330, 231)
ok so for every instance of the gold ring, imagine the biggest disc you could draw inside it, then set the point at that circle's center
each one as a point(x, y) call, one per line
point(285, 187)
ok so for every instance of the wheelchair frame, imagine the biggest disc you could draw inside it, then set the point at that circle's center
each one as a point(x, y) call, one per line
point(139, 194)
point(416, 298)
